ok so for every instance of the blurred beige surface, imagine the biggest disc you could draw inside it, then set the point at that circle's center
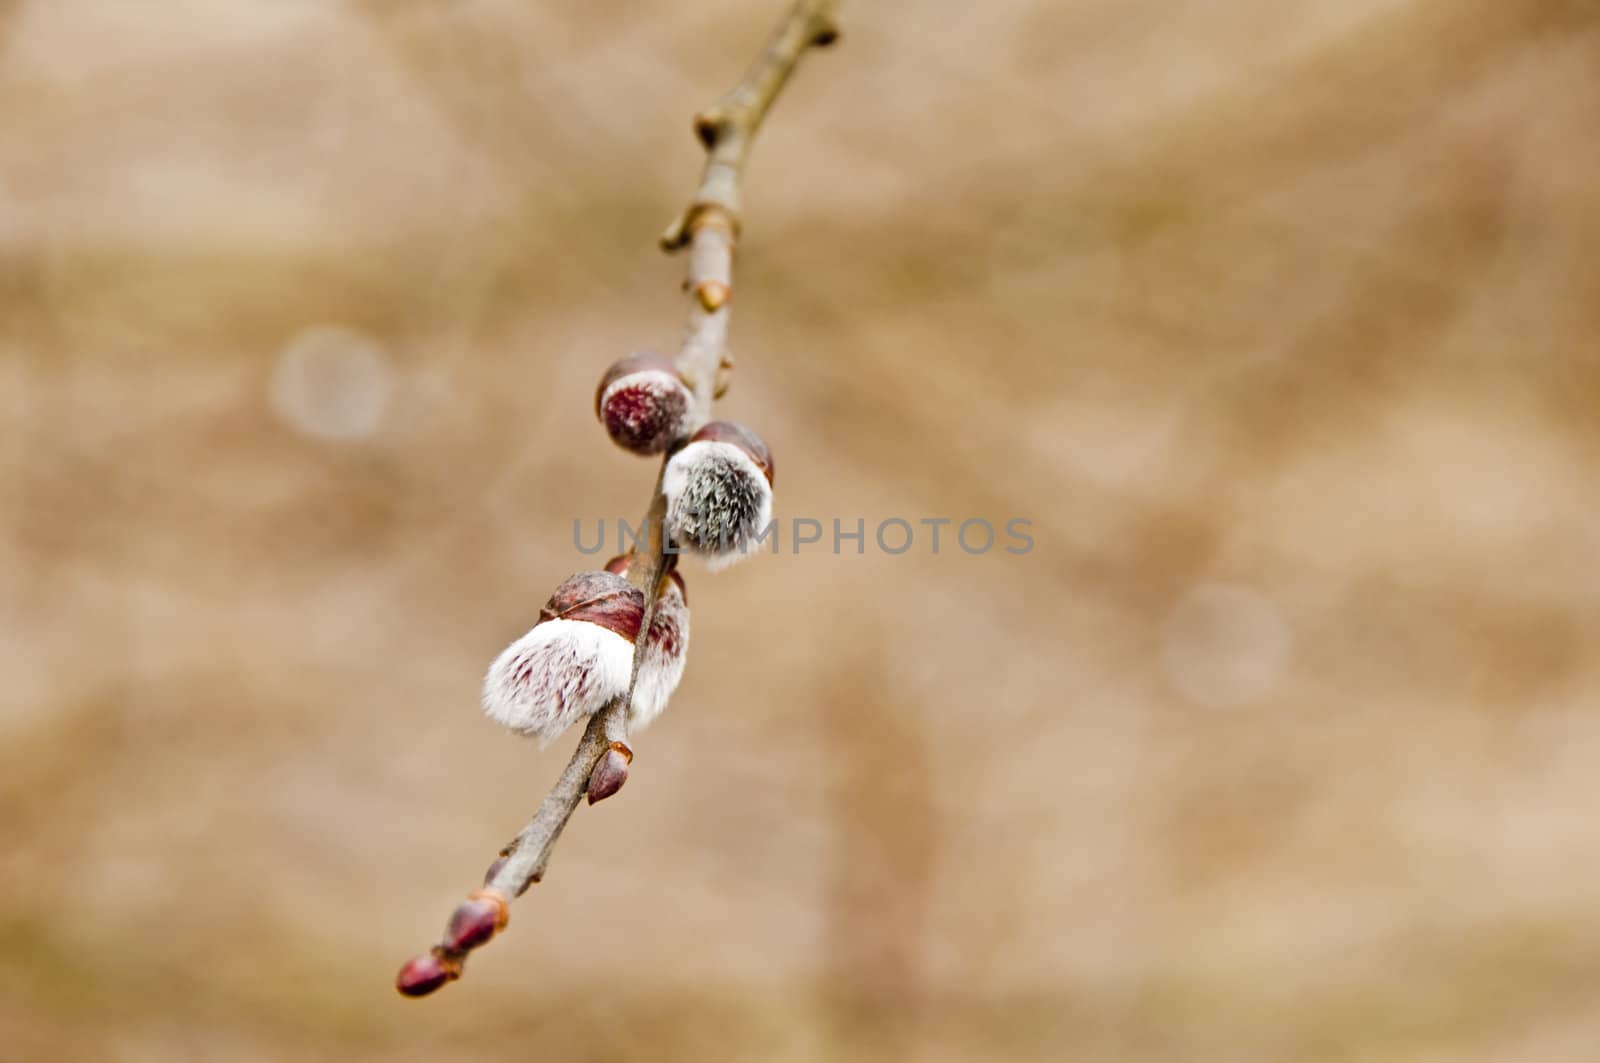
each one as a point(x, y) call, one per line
point(1278, 320)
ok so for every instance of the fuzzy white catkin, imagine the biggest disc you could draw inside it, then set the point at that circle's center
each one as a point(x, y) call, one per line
point(564, 671)
point(560, 672)
point(718, 501)
point(661, 670)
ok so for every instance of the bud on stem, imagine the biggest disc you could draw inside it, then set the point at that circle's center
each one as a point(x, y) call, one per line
point(483, 914)
point(610, 772)
point(713, 295)
point(574, 661)
point(719, 493)
point(643, 403)
point(480, 917)
point(668, 650)
point(423, 974)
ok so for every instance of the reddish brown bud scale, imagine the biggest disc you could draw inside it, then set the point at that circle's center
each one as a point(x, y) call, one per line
point(598, 598)
point(741, 437)
point(476, 920)
point(423, 974)
point(610, 772)
point(620, 565)
point(500, 902)
point(471, 925)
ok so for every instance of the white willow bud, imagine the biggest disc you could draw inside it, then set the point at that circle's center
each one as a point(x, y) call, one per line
point(665, 656)
point(575, 660)
point(579, 656)
point(719, 493)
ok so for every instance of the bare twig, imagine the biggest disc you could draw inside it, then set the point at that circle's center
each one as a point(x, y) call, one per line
point(709, 228)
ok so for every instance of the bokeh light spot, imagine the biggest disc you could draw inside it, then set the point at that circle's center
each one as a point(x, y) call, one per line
point(332, 383)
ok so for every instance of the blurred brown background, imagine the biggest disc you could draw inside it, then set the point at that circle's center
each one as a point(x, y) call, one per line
point(1278, 320)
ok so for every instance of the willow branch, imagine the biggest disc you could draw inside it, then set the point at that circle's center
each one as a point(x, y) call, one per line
point(709, 228)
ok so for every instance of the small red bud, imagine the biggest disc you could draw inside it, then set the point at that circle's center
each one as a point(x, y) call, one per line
point(643, 403)
point(423, 974)
point(610, 773)
point(472, 924)
point(476, 920)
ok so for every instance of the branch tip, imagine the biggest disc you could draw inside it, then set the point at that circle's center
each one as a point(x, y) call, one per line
point(423, 974)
